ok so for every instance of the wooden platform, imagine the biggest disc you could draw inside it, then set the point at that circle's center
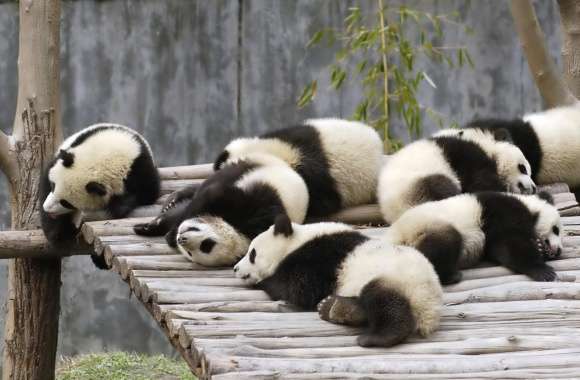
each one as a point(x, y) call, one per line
point(495, 324)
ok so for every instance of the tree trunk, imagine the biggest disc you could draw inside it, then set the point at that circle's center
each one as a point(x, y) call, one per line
point(31, 331)
point(570, 14)
point(547, 77)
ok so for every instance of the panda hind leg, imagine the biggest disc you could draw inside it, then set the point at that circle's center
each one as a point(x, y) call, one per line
point(434, 188)
point(442, 246)
point(389, 313)
point(342, 311)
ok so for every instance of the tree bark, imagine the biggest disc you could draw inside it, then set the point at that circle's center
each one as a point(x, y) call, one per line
point(547, 77)
point(31, 331)
point(570, 15)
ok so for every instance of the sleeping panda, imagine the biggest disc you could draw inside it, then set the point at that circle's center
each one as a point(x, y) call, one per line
point(517, 231)
point(444, 166)
point(215, 226)
point(338, 159)
point(550, 140)
point(353, 279)
point(103, 167)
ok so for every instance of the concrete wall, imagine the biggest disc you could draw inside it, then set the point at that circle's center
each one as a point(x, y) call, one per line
point(192, 74)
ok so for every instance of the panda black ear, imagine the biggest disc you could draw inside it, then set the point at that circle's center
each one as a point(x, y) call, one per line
point(283, 225)
point(546, 196)
point(220, 160)
point(68, 159)
point(96, 188)
point(502, 134)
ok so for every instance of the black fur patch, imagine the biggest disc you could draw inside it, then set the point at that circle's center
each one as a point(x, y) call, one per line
point(252, 256)
point(68, 159)
point(389, 314)
point(523, 136)
point(309, 273)
point(207, 245)
point(442, 245)
point(250, 211)
point(283, 225)
point(314, 168)
point(433, 188)
point(510, 238)
point(475, 170)
point(96, 188)
point(219, 161)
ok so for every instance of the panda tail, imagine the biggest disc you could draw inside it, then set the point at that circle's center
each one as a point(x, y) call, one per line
point(389, 314)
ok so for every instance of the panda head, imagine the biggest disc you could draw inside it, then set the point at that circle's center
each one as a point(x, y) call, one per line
point(210, 241)
point(548, 225)
point(74, 187)
point(266, 251)
point(513, 168)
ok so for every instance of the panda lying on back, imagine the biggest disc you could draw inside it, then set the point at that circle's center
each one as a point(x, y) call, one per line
point(338, 159)
point(103, 167)
point(550, 140)
point(359, 280)
point(458, 232)
point(444, 166)
point(235, 204)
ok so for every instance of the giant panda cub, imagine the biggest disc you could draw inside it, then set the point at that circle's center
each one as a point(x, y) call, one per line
point(444, 166)
point(338, 159)
point(550, 140)
point(517, 231)
point(103, 167)
point(214, 227)
point(353, 279)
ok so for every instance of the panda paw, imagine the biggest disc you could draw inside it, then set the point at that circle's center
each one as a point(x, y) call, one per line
point(147, 229)
point(544, 249)
point(341, 310)
point(544, 274)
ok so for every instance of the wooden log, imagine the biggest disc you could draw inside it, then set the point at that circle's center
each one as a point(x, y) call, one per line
point(524, 374)
point(570, 220)
point(124, 264)
point(516, 292)
point(33, 244)
point(555, 188)
point(169, 186)
point(227, 307)
point(401, 363)
point(194, 297)
point(564, 276)
point(477, 346)
point(147, 291)
point(200, 171)
point(138, 249)
point(497, 271)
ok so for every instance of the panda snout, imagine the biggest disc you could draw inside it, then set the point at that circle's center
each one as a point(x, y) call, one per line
point(236, 269)
point(181, 240)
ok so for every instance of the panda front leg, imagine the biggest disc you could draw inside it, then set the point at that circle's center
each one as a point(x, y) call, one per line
point(164, 222)
point(179, 196)
point(521, 255)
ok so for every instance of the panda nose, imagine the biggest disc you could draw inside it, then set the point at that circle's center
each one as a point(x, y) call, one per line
point(181, 240)
point(521, 187)
point(235, 269)
point(534, 189)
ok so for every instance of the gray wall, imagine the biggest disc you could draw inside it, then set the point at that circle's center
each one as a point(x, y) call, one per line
point(190, 77)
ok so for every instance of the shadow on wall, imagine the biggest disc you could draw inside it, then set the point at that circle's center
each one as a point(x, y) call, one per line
point(177, 71)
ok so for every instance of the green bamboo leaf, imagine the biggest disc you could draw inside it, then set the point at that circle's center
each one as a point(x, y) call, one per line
point(316, 38)
point(308, 94)
point(469, 59)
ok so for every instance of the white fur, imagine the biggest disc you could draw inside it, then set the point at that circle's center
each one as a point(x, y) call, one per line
point(401, 172)
point(403, 269)
point(558, 131)
point(353, 150)
point(463, 212)
point(548, 217)
point(105, 157)
point(230, 244)
point(289, 186)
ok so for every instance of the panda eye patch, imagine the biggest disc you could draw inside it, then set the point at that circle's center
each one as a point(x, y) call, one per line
point(556, 230)
point(522, 169)
point(253, 256)
point(67, 204)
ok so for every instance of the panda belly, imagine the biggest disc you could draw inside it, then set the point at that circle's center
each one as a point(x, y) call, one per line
point(402, 180)
point(354, 155)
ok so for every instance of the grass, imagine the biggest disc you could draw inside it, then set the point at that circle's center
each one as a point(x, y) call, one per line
point(122, 366)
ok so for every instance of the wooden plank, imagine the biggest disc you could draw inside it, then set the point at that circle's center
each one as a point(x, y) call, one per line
point(201, 171)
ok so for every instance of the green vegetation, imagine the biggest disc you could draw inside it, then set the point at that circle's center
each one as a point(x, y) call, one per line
point(379, 50)
point(122, 366)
